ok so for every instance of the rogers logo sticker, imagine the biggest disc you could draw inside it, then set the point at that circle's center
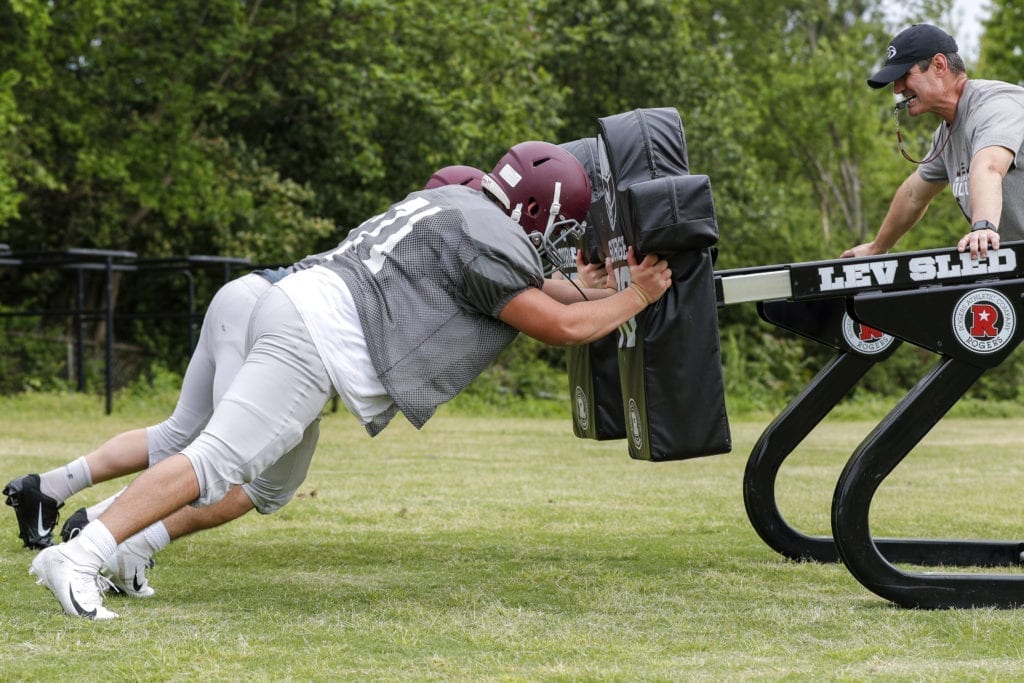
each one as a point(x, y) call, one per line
point(865, 339)
point(984, 321)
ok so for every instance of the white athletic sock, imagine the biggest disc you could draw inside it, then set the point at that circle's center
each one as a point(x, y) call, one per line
point(149, 541)
point(67, 480)
point(157, 536)
point(99, 508)
point(92, 547)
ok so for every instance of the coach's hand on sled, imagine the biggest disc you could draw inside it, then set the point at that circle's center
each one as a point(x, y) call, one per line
point(866, 249)
point(979, 240)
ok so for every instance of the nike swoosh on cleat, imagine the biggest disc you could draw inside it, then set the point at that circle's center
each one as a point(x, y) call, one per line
point(135, 582)
point(40, 529)
point(91, 614)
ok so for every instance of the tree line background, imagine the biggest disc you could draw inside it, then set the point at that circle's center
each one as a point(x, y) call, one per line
point(267, 130)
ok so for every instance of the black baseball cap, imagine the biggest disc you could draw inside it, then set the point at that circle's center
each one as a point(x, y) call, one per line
point(910, 46)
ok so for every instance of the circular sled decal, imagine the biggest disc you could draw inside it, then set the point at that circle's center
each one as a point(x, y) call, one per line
point(984, 321)
point(866, 340)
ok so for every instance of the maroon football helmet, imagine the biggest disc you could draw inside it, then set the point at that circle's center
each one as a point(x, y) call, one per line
point(455, 175)
point(546, 190)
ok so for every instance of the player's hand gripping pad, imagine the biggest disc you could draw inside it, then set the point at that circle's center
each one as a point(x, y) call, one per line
point(594, 368)
point(670, 365)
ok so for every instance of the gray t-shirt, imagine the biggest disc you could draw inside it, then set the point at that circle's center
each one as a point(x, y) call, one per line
point(429, 278)
point(990, 113)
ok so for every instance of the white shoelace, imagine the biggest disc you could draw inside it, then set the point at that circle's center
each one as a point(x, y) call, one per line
point(103, 585)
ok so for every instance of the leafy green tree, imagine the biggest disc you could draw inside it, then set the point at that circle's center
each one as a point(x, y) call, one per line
point(10, 198)
point(112, 102)
point(267, 130)
point(1002, 44)
point(773, 100)
point(189, 127)
point(262, 130)
point(17, 163)
point(618, 56)
point(801, 68)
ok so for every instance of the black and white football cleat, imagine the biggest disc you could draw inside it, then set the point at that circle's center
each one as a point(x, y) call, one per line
point(74, 524)
point(37, 513)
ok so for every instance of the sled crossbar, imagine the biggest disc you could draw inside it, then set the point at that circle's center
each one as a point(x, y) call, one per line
point(846, 277)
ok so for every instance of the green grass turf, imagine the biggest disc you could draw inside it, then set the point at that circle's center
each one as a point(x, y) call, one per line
point(487, 548)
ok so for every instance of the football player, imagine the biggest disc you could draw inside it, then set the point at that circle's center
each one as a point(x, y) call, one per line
point(383, 321)
point(37, 498)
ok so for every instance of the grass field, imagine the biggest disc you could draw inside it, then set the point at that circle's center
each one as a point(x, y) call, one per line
point(487, 548)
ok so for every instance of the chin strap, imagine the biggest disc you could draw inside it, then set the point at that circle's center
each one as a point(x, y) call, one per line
point(556, 206)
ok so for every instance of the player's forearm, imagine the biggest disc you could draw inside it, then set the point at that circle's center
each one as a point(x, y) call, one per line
point(567, 293)
point(539, 315)
point(590, 321)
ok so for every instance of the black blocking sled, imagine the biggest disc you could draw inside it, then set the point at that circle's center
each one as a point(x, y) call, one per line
point(967, 313)
point(662, 389)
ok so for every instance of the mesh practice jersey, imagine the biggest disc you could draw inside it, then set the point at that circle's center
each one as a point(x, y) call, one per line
point(429, 278)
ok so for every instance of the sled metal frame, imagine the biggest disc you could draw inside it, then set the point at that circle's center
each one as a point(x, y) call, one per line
point(871, 560)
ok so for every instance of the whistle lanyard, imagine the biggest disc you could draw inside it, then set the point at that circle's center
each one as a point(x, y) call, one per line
point(931, 157)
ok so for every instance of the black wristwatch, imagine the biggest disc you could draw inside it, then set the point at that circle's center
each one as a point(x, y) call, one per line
point(983, 225)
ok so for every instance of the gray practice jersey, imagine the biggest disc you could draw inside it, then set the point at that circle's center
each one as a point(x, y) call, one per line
point(429, 278)
point(990, 113)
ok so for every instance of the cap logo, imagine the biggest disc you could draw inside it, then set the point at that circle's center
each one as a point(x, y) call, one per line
point(891, 52)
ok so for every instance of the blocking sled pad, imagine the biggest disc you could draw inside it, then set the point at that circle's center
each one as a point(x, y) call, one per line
point(593, 369)
point(669, 360)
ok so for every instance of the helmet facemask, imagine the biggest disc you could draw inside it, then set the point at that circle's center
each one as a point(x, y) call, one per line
point(559, 236)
